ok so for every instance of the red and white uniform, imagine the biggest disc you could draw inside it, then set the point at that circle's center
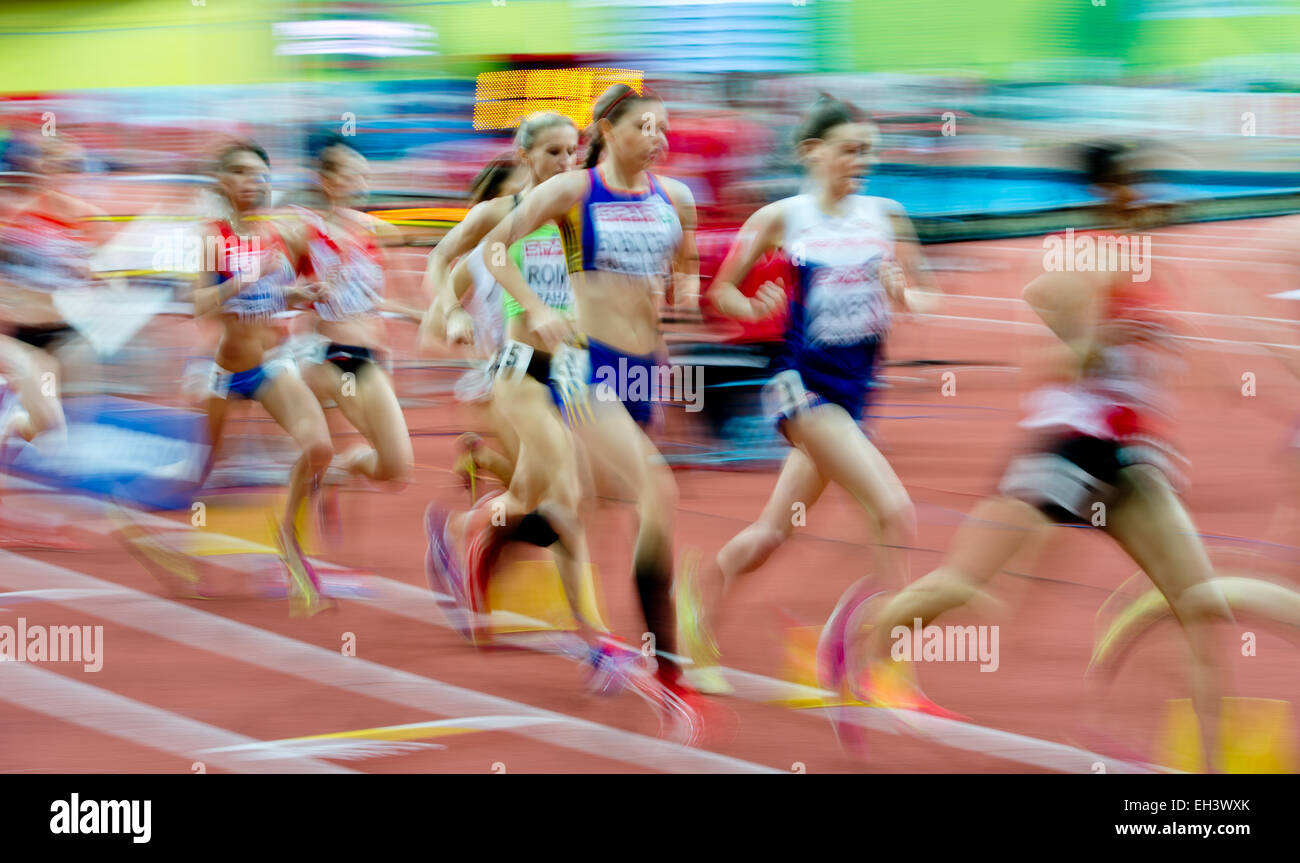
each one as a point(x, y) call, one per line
point(348, 262)
point(1123, 394)
point(263, 263)
point(43, 252)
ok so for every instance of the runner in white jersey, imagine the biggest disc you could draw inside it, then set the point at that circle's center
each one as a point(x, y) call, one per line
point(484, 304)
point(853, 257)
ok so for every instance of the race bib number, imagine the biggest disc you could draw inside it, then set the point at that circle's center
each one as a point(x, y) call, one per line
point(218, 382)
point(784, 395)
point(511, 361)
point(636, 238)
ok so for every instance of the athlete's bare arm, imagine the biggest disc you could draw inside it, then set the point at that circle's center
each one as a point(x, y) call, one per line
point(919, 292)
point(686, 263)
point(761, 233)
point(545, 203)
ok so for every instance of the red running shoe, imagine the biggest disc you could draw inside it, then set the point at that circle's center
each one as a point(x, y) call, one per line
point(687, 717)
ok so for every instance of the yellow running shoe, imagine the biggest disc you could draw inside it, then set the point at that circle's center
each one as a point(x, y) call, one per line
point(697, 644)
point(304, 584)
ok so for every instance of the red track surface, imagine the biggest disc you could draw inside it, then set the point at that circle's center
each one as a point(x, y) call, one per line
point(948, 452)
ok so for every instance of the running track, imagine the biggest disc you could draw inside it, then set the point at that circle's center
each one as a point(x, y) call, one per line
point(215, 682)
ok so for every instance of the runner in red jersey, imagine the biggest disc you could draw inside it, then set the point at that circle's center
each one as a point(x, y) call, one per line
point(344, 257)
point(45, 247)
point(1098, 457)
point(254, 282)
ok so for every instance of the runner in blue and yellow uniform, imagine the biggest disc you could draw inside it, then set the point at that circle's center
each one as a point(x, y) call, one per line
point(628, 236)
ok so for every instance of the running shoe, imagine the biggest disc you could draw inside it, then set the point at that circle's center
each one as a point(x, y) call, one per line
point(893, 685)
point(833, 644)
point(697, 642)
point(444, 575)
point(610, 664)
point(687, 717)
point(178, 573)
point(834, 649)
point(305, 592)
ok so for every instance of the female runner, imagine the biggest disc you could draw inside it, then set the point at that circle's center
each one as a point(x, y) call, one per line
point(625, 233)
point(45, 247)
point(543, 482)
point(345, 259)
point(853, 257)
point(1099, 450)
point(251, 289)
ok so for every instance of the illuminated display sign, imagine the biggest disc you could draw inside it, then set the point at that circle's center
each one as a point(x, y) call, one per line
point(502, 99)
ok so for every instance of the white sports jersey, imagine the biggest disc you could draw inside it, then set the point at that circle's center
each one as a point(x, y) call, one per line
point(838, 258)
point(485, 306)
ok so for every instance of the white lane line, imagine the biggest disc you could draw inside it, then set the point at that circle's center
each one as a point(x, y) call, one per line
point(70, 700)
point(418, 603)
point(974, 738)
point(228, 638)
point(405, 600)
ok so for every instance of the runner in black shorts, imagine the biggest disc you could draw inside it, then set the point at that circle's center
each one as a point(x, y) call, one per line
point(1098, 457)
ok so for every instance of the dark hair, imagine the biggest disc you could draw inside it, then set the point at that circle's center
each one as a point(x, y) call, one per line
point(230, 151)
point(611, 106)
point(487, 183)
point(319, 146)
point(21, 154)
point(1106, 163)
point(825, 114)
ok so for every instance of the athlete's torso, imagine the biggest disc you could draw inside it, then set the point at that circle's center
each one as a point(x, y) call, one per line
point(1123, 389)
point(840, 308)
point(619, 248)
point(45, 247)
point(345, 258)
point(540, 257)
point(267, 272)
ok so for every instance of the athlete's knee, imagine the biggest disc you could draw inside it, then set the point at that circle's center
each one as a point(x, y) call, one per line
point(1204, 602)
point(897, 518)
point(318, 452)
point(658, 496)
point(394, 466)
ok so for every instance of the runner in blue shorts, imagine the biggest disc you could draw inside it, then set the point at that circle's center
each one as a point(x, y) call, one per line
point(853, 257)
point(628, 236)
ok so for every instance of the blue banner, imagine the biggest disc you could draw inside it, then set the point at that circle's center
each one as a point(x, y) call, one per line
point(140, 453)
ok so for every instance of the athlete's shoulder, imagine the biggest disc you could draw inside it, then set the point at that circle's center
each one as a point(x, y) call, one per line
point(565, 185)
point(679, 192)
point(888, 206)
point(373, 225)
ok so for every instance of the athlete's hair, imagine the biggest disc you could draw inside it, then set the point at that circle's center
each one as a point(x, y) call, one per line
point(228, 153)
point(536, 123)
point(487, 183)
point(825, 114)
point(327, 149)
point(611, 106)
point(1107, 162)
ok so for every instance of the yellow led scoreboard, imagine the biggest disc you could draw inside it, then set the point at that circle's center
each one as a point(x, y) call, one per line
point(502, 99)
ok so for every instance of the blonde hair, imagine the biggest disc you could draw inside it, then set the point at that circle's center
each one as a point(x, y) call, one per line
point(536, 123)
